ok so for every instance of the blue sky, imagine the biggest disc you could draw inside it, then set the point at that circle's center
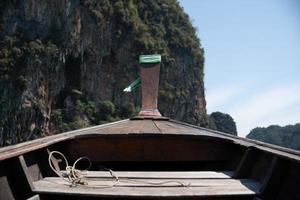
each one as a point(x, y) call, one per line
point(252, 59)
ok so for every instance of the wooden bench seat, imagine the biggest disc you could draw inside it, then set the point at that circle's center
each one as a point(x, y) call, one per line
point(162, 174)
point(152, 184)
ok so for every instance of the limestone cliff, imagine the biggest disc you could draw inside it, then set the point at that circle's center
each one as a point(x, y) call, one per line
point(64, 63)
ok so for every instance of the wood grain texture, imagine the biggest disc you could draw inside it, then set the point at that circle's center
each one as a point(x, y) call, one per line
point(105, 188)
point(141, 127)
point(35, 197)
point(161, 183)
point(22, 148)
point(149, 148)
point(162, 174)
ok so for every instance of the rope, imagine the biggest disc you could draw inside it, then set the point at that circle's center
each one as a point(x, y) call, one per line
point(72, 175)
point(75, 177)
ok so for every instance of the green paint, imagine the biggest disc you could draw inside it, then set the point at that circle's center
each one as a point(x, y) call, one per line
point(154, 58)
point(135, 84)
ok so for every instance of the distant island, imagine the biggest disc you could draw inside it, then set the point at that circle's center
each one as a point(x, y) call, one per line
point(222, 122)
point(286, 136)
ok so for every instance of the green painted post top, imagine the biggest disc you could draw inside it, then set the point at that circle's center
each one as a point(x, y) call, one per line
point(154, 58)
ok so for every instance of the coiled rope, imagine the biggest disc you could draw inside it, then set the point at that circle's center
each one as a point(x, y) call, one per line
point(75, 177)
point(72, 175)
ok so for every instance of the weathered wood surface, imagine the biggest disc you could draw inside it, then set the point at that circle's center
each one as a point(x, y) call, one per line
point(147, 126)
point(150, 148)
point(270, 174)
point(245, 163)
point(148, 184)
point(290, 154)
point(161, 174)
point(21, 148)
point(25, 171)
point(35, 197)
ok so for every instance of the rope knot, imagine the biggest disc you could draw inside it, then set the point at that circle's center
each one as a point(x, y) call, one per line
point(73, 176)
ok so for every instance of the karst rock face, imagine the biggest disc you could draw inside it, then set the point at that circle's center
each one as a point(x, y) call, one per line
point(61, 60)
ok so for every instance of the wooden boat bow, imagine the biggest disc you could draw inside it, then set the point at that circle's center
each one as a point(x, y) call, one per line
point(218, 165)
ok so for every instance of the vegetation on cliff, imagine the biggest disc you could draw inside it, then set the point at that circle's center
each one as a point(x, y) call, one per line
point(223, 122)
point(64, 63)
point(21, 67)
point(287, 136)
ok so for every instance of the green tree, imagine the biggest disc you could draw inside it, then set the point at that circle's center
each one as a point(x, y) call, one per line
point(223, 122)
point(287, 136)
point(127, 110)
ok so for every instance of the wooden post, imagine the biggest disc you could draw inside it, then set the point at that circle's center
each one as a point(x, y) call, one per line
point(150, 68)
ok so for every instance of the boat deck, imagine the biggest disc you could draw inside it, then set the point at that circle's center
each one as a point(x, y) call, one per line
point(152, 185)
point(154, 159)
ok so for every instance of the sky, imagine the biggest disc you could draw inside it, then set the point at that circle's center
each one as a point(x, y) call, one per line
point(252, 59)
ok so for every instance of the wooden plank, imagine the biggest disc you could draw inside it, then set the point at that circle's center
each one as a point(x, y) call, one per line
point(270, 173)
point(162, 175)
point(124, 127)
point(24, 147)
point(275, 179)
point(208, 188)
point(6, 191)
point(267, 147)
point(154, 147)
point(168, 127)
point(133, 182)
point(35, 197)
point(248, 160)
point(25, 171)
point(132, 127)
